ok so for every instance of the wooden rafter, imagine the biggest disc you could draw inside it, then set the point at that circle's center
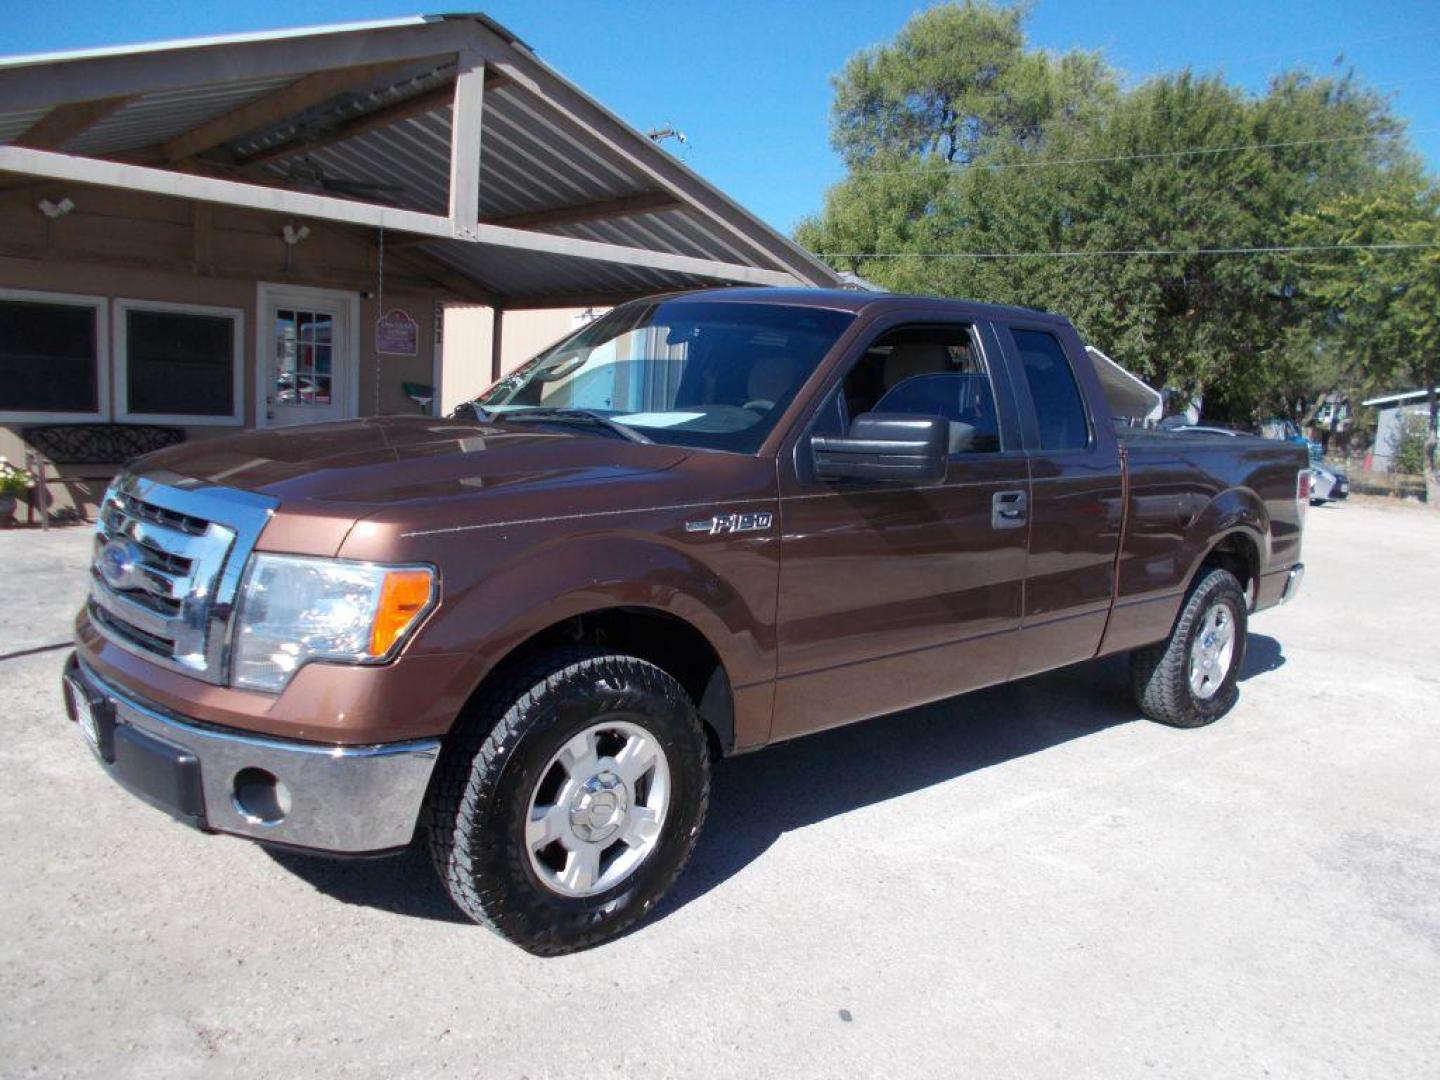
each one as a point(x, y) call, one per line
point(64, 122)
point(270, 108)
point(426, 265)
point(429, 101)
point(649, 202)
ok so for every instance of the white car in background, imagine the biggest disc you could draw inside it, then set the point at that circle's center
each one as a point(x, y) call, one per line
point(1327, 484)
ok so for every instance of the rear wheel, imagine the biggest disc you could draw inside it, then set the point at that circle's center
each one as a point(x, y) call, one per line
point(1190, 679)
point(565, 809)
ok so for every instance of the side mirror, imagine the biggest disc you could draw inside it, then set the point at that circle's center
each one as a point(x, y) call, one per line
point(885, 446)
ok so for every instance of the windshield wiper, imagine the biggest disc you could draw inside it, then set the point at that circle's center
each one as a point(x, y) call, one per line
point(572, 416)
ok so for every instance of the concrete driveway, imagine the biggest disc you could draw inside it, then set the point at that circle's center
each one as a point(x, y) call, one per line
point(1025, 882)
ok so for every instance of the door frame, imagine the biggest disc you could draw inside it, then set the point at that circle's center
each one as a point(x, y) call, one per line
point(350, 357)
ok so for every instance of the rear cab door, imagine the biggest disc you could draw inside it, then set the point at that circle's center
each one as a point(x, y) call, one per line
point(1077, 507)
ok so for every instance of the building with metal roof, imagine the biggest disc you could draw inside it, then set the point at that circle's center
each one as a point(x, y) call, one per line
point(265, 228)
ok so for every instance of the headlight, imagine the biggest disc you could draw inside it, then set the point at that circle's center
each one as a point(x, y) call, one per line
point(295, 609)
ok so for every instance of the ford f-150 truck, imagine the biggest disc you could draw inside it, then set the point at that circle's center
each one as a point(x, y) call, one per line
point(704, 523)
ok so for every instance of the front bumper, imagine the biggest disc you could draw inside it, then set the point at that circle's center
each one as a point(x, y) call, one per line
point(350, 800)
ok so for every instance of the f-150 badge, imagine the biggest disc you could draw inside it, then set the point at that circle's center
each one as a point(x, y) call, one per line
point(731, 523)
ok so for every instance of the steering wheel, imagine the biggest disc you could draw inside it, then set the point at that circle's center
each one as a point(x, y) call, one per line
point(759, 405)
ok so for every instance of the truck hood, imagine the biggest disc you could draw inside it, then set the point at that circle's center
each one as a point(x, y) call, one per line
point(369, 464)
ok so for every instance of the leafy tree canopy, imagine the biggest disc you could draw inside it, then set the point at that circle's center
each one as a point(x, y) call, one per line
point(981, 167)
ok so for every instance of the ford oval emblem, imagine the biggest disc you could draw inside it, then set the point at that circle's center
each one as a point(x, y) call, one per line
point(118, 562)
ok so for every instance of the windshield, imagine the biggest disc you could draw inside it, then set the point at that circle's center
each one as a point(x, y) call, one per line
point(689, 373)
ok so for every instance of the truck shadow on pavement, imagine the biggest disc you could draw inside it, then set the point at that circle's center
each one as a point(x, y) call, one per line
point(757, 798)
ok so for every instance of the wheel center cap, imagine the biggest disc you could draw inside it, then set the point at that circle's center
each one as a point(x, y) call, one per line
point(598, 809)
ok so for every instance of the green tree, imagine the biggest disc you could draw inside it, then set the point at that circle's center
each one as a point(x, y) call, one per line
point(955, 77)
point(981, 168)
point(1383, 304)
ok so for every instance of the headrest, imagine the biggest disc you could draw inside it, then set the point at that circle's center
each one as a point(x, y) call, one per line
point(915, 358)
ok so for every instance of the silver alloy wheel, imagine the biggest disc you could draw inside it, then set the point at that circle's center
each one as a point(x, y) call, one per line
point(1212, 650)
point(598, 808)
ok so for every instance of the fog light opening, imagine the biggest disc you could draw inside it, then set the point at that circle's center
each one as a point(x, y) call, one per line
point(259, 798)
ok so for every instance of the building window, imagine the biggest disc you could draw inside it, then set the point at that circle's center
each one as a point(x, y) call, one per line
point(52, 357)
point(178, 363)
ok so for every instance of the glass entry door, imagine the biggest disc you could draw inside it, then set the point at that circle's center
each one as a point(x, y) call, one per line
point(307, 355)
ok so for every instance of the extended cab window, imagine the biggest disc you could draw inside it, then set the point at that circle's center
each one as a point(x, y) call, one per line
point(1059, 409)
point(928, 371)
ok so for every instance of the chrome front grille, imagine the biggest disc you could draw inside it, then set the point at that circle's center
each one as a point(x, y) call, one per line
point(169, 555)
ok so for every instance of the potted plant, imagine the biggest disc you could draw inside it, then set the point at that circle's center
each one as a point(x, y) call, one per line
point(14, 482)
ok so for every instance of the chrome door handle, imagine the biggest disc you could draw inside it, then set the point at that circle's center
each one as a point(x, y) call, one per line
point(1009, 509)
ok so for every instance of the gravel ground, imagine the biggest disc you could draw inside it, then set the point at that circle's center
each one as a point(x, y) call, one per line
point(1025, 882)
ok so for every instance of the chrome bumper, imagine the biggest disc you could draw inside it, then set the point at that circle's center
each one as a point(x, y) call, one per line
point(341, 799)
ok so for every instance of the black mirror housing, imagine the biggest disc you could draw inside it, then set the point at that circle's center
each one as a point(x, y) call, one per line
point(885, 446)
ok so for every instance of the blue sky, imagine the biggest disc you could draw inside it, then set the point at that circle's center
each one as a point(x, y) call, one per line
point(748, 81)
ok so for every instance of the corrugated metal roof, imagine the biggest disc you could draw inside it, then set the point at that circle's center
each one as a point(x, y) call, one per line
point(157, 118)
point(527, 275)
point(1390, 399)
point(13, 124)
point(412, 155)
point(66, 56)
point(534, 156)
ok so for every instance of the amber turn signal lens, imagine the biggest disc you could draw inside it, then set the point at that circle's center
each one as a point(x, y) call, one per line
point(403, 596)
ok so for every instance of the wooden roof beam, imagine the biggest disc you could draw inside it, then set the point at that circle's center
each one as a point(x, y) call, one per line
point(271, 108)
point(430, 100)
point(648, 202)
point(426, 265)
point(64, 122)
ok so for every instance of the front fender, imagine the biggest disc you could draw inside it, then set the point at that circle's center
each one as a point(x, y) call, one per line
point(726, 591)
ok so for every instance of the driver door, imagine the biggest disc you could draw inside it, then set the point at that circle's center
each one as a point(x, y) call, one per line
point(893, 594)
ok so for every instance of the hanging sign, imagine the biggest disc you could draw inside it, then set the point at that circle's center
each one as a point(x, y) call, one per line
point(397, 334)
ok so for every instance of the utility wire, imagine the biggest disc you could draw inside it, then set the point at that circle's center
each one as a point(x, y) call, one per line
point(1273, 249)
point(1355, 86)
point(1153, 109)
point(1187, 152)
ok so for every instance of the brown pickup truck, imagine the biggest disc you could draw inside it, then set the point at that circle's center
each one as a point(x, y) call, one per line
point(704, 523)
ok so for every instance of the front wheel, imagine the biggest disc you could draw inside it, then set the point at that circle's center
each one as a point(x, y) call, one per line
point(566, 809)
point(1190, 679)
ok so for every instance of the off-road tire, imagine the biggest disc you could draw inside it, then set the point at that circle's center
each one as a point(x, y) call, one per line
point(1160, 673)
point(488, 771)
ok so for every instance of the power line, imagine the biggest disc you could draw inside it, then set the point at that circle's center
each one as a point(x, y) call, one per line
point(1152, 109)
point(1274, 249)
point(1187, 152)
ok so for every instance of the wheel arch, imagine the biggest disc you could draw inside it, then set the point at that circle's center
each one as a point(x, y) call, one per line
point(662, 638)
point(1237, 551)
point(1231, 533)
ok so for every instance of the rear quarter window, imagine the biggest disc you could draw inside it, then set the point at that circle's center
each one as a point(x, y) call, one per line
point(1059, 408)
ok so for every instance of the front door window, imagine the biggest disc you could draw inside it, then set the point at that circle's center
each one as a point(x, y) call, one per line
point(307, 355)
point(304, 358)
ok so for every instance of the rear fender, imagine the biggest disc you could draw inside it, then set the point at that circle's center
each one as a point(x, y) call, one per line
point(1236, 511)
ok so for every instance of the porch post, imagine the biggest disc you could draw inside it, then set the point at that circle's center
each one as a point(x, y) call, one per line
point(497, 327)
point(465, 123)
